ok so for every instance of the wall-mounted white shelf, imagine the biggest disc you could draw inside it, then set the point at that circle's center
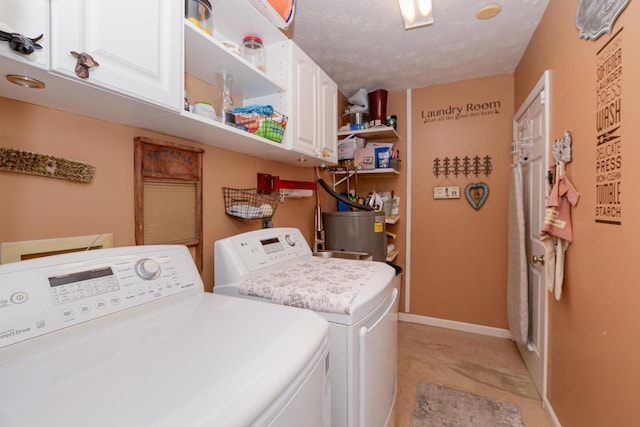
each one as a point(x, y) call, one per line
point(372, 134)
point(211, 132)
point(392, 219)
point(205, 56)
point(383, 172)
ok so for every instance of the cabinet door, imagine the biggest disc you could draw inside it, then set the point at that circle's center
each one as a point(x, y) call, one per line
point(328, 117)
point(138, 45)
point(305, 102)
point(29, 18)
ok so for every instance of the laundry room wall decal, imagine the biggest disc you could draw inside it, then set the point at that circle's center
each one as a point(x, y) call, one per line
point(608, 197)
point(462, 111)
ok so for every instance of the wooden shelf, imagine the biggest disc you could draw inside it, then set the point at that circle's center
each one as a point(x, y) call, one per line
point(370, 172)
point(391, 256)
point(392, 219)
point(372, 134)
point(379, 171)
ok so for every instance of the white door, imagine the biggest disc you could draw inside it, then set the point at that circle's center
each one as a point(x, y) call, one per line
point(137, 44)
point(531, 129)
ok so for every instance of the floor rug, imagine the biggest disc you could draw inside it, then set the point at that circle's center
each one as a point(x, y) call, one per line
point(439, 406)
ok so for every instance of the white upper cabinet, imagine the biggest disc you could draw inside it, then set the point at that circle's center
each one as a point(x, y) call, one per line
point(328, 117)
point(31, 19)
point(137, 44)
point(144, 48)
point(314, 101)
point(304, 93)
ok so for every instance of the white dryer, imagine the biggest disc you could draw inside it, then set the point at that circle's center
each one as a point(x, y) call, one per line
point(128, 337)
point(358, 298)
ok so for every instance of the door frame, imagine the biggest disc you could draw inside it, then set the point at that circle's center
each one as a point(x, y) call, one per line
point(543, 85)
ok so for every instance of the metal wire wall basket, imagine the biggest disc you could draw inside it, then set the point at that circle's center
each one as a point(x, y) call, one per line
point(247, 203)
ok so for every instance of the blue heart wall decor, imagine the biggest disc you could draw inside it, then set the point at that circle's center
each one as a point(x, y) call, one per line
point(476, 194)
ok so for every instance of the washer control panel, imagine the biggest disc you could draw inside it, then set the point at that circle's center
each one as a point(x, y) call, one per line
point(46, 294)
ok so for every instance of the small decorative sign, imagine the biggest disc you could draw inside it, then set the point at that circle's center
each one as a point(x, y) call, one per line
point(451, 192)
point(476, 194)
point(594, 18)
point(14, 160)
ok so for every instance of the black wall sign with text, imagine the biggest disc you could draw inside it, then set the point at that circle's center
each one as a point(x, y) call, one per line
point(608, 209)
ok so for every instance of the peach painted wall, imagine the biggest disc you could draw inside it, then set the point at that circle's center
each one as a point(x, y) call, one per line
point(458, 254)
point(594, 374)
point(35, 207)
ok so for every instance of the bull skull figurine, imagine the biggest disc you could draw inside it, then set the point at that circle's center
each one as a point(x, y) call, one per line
point(85, 61)
point(20, 43)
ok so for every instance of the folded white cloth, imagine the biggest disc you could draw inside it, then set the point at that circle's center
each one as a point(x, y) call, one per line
point(244, 211)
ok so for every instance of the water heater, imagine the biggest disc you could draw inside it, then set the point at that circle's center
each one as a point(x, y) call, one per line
point(361, 231)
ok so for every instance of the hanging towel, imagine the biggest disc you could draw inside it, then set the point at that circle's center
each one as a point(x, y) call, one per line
point(561, 248)
point(549, 244)
point(517, 276)
point(557, 222)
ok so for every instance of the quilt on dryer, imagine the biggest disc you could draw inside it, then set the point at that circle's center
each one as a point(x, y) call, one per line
point(320, 284)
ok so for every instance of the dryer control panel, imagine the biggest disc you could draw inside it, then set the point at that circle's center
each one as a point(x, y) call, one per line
point(51, 293)
point(237, 256)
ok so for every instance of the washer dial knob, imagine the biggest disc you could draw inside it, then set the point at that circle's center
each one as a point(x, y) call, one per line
point(291, 240)
point(147, 268)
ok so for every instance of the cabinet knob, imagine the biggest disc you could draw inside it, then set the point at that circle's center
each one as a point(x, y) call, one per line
point(85, 61)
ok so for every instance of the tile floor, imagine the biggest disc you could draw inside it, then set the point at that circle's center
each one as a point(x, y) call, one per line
point(478, 364)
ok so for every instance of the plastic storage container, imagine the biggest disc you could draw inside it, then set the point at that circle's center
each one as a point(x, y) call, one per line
point(199, 13)
point(252, 50)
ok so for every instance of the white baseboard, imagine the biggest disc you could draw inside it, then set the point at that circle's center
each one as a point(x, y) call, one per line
point(552, 415)
point(458, 326)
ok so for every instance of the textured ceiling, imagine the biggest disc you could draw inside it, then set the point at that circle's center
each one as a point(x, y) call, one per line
point(363, 44)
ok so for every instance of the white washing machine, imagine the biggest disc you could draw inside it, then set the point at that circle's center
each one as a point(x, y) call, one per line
point(358, 298)
point(128, 337)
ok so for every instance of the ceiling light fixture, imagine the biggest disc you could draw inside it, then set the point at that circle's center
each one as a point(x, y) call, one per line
point(416, 13)
point(24, 81)
point(489, 11)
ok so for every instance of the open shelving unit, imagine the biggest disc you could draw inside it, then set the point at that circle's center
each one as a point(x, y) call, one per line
point(375, 134)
